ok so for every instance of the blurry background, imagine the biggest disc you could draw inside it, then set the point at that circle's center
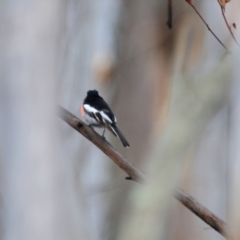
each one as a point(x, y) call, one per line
point(174, 93)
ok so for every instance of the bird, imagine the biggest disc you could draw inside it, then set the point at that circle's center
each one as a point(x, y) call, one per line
point(97, 113)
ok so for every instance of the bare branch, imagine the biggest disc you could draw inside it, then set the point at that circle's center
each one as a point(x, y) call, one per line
point(169, 21)
point(96, 139)
point(191, 4)
point(228, 26)
point(206, 215)
point(134, 174)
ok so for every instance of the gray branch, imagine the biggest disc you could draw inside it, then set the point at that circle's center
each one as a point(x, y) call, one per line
point(134, 174)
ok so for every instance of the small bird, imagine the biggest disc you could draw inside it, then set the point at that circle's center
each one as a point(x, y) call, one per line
point(97, 113)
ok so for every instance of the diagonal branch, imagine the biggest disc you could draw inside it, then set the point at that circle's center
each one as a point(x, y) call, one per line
point(134, 174)
point(96, 139)
point(207, 216)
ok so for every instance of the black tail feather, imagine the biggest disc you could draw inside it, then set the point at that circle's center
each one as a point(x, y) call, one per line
point(118, 133)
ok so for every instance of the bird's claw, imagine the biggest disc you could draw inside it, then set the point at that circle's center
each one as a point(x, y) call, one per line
point(103, 138)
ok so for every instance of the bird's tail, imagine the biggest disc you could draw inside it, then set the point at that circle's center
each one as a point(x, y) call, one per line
point(118, 134)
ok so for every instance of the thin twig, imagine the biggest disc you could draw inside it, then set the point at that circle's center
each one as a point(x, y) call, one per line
point(134, 174)
point(169, 21)
point(191, 4)
point(228, 26)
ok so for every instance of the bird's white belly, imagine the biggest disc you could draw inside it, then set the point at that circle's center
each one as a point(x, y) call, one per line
point(90, 121)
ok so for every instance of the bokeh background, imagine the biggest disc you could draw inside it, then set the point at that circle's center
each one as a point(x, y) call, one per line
point(174, 91)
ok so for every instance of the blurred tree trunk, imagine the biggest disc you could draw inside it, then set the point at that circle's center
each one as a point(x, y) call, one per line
point(145, 48)
point(37, 196)
point(88, 48)
point(148, 55)
point(234, 164)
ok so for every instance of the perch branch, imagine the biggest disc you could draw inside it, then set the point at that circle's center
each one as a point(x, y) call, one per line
point(134, 174)
point(96, 139)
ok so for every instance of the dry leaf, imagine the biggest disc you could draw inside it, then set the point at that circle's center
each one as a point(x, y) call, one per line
point(223, 3)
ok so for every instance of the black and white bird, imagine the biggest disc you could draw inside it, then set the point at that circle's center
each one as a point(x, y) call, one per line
point(97, 113)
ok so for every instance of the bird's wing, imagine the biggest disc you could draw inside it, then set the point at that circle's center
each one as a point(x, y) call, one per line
point(108, 115)
point(92, 112)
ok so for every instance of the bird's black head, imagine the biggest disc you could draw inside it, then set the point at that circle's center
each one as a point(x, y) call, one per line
point(92, 93)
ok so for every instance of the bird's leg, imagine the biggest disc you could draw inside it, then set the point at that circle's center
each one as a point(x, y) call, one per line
point(103, 134)
point(91, 126)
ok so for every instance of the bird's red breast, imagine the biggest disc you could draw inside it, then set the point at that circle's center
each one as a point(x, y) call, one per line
point(82, 111)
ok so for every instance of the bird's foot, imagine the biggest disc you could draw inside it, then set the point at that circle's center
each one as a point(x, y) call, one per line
point(103, 138)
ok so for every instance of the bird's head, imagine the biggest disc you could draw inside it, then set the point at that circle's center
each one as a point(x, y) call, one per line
point(92, 93)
